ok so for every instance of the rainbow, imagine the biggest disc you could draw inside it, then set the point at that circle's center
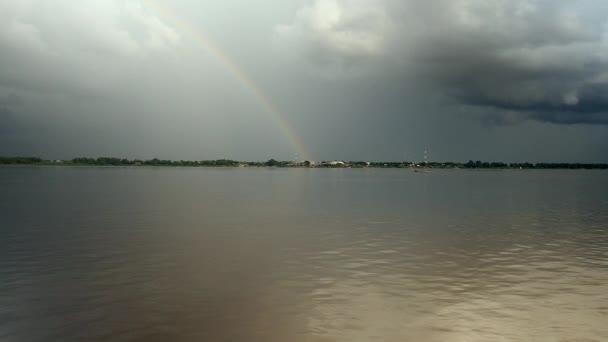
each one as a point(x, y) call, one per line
point(238, 72)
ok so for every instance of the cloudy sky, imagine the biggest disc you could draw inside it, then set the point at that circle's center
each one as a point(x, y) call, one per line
point(509, 80)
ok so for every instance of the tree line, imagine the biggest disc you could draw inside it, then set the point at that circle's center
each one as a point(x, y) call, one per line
point(112, 161)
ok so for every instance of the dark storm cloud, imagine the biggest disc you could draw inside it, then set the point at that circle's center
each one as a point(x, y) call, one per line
point(7, 121)
point(389, 78)
point(11, 99)
point(542, 60)
point(5, 112)
point(7, 116)
point(587, 104)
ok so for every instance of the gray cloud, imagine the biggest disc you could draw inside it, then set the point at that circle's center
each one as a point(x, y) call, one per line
point(544, 60)
point(388, 79)
point(57, 46)
point(7, 118)
point(345, 30)
point(10, 100)
point(7, 121)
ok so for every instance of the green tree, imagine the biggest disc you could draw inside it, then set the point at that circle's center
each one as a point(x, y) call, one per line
point(272, 162)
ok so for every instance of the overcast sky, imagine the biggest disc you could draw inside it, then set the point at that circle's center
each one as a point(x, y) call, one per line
point(511, 80)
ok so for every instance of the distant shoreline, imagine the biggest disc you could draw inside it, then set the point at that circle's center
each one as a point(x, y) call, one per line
point(110, 161)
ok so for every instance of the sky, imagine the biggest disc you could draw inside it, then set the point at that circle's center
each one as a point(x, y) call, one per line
point(495, 80)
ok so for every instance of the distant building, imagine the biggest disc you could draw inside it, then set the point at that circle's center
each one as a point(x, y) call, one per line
point(333, 163)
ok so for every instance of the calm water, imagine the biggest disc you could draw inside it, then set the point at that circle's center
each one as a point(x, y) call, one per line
point(170, 254)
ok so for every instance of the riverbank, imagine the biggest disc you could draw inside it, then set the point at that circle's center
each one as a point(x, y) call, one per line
point(109, 161)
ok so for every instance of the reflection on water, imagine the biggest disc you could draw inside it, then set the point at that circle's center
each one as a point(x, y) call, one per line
point(394, 288)
point(143, 254)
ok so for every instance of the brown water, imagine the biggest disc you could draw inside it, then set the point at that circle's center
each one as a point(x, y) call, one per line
point(170, 254)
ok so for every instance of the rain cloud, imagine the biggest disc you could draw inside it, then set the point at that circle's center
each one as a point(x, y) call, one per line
point(521, 59)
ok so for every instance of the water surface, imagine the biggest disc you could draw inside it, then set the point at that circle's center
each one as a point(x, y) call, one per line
point(184, 254)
